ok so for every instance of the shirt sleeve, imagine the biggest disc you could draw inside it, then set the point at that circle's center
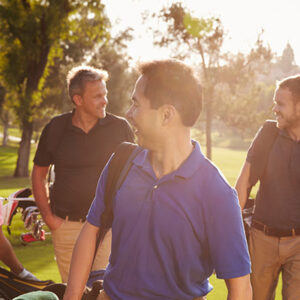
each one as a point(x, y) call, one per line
point(225, 232)
point(97, 206)
point(43, 156)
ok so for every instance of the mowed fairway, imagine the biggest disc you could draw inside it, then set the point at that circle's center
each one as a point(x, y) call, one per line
point(39, 257)
point(230, 162)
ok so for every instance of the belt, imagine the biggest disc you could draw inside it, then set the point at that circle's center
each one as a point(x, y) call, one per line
point(272, 231)
point(69, 217)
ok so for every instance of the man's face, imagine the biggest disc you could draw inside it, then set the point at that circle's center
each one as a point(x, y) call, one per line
point(94, 99)
point(287, 112)
point(144, 119)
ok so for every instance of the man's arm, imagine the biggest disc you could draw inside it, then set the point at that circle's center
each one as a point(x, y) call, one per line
point(239, 288)
point(242, 185)
point(40, 193)
point(7, 254)
point(81, 263)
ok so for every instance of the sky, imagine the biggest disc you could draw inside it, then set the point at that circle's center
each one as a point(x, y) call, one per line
point(242, 20)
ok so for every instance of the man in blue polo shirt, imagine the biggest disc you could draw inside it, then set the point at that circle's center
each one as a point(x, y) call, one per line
point(176, 219)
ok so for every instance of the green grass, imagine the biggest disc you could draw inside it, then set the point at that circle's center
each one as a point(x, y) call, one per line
point(8, 160)
point(38, 257)
point(12, 131)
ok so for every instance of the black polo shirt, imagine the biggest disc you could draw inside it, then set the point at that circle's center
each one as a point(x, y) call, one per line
point(78, 160)
point(278, 197)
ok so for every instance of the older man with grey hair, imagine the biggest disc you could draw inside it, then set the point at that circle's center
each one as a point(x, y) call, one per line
point(78, 144)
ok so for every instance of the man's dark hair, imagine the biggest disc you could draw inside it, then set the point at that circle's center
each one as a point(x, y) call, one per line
point(293, 84)
point(78, 76)
point(173, 82)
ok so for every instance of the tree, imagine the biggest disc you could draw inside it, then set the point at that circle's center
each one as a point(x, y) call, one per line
point(283, 66)
point(4, 116)
point(244, 98)
point(287, 60)
point(31, 37)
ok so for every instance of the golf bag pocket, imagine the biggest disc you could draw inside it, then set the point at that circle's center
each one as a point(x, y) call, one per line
point(12, 286)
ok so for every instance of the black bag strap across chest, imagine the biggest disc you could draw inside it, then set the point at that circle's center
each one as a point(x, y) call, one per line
point(118, 169)
point(264, 145)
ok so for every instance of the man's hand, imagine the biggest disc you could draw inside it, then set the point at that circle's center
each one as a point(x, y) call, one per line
point(52, 221)
point(40, 193)
point(239, 288)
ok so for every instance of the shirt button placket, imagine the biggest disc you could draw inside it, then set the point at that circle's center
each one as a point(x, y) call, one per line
point(153, 194)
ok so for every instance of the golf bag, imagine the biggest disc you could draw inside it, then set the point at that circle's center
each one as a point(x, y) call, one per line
point(21, 201)
point(12, 286)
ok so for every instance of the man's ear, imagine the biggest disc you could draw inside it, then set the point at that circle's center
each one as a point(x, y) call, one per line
point(168, 113)
point(77, 99)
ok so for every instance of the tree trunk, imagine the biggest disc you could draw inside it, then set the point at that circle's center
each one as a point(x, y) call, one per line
point(5, 134)
point(208, 128)
point(24, 151)
point(5, 122)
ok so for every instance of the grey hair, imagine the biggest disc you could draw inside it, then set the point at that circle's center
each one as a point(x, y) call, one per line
point(78, 76)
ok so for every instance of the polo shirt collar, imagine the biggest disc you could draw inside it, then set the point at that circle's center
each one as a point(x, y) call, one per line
point(100, 122)
point(192, 163)
point(105, 120)
point(185, 170)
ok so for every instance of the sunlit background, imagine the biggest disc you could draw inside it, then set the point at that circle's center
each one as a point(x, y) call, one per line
point(243, 21)
point(238, 90)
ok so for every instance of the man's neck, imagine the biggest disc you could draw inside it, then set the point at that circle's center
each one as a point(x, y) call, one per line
point(170, 155)
point(294, 132)
point(83, 121)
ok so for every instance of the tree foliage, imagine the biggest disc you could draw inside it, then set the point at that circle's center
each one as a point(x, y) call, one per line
point(244, 99)
point(113, 57)
point(287, 60)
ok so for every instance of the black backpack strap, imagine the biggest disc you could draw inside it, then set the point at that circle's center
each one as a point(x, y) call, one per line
point(118, 169)
point(264, 143)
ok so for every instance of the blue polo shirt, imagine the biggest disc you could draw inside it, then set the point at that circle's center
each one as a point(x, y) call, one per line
point(169, 234)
